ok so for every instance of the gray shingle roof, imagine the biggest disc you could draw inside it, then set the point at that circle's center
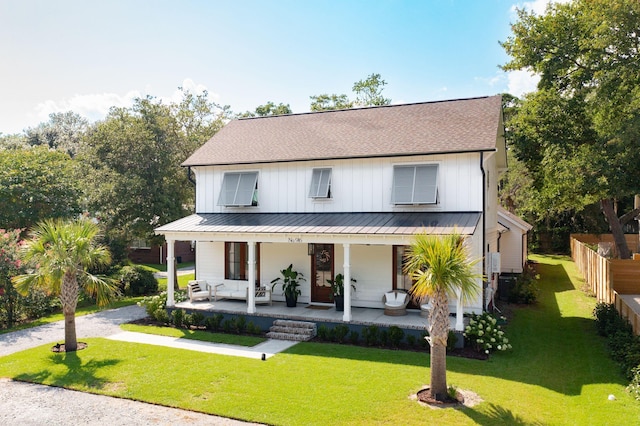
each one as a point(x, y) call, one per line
point(408, 223)
point(465, 125)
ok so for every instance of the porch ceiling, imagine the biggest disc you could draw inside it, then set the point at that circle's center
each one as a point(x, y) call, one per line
point(401, 223)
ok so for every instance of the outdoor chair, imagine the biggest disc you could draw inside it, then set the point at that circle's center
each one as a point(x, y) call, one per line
point(199, 290)
point(395, 303)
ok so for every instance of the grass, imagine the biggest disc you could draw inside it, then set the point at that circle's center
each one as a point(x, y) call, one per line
point(154, 267)
point(183, 280)
point(558, 373)
point(203, 336)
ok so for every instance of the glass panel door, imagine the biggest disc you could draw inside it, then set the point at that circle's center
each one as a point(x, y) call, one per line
point(322, 270)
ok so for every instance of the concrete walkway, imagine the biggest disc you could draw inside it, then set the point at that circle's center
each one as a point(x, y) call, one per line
point(31, 404)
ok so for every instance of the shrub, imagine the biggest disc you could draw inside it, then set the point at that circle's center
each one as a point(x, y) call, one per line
point(323, 333)
point(634, 386)
point(525, 291)
point(484, 334)
point(383, 337)
point(155, 306)
point(212, 323)
point(240, 324)
point(452, 339)
point(197, 319)
point(137, 281)
point(340, 332)
point(395, 336)
point(411, 340)
point(608, 320)
point(187, 320)
point(177, 318)
point(370, 335)
point(354, 337)
point(253, 329)
point(229, 325)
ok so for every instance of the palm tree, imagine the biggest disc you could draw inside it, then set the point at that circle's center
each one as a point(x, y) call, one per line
point(440, 268)
point(62, 252)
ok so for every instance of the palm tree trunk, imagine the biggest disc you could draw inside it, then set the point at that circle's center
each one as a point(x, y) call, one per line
point(438, 332)
point(69, 300)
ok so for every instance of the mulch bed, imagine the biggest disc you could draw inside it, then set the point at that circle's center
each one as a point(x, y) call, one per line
point(59, 347)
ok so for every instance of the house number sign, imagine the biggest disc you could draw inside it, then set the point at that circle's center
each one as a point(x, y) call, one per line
point(294, 240)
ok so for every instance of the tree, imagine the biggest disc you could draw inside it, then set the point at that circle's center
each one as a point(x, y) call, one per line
point(578, 135)
point(64, 132)
point(268, 109)
point(368, 93)
point(332, 102)
point(14, 141)
point(440, 269)
point(36, 184)
point(10, 265)
point(132, 159)
point(62, 253)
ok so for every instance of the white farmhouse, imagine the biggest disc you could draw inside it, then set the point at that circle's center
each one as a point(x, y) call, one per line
point(343, 192)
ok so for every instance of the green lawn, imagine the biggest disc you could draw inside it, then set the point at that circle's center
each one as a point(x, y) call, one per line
point(203, 336)
point(558, 373)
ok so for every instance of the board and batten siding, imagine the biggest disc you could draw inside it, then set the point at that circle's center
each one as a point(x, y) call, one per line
point(357, 185)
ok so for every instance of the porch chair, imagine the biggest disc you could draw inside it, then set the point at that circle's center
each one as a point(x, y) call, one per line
point(395, 303)
point(263, 295)
point(199, 290)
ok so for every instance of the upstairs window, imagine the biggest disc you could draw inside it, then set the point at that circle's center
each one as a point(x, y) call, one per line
point(415, 184)
point(239, 189)
point(320, 183)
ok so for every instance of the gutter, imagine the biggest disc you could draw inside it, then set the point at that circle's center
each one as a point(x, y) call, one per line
point(484, 227)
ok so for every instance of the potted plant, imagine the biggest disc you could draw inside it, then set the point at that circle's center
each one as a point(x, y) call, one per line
point(337, 290)
point(290, 285)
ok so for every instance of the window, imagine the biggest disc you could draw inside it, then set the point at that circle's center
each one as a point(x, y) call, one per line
point(236, 262)
point(415, 184)
point(139, 243)
point(239, 189)
point(320, 183)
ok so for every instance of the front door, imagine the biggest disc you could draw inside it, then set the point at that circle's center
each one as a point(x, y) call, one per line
point(321, 271)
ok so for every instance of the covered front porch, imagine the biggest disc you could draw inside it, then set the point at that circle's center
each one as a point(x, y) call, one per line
point(243, 248)
point(414, 320)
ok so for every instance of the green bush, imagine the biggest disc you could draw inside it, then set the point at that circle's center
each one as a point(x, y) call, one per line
point(340, 332)
point(354, 337)
point(411, 340)
point(395, 336)
point(323, 333)
point(634, 386)
point(452, 339)
point(213, 322)
point(197, 319)
point(155, 306)
point(177, 318)
point(137, 281)
point(253, 329)
point(526, 290)
point(608, 320)
point(484, 334)
point(371, 335)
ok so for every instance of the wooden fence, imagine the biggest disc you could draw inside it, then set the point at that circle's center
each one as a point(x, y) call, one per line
point(608, 279)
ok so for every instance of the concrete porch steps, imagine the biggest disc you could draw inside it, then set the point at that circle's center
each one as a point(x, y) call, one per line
point(299, 331)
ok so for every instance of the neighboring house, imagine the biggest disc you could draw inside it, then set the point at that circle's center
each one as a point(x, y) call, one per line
point(141, 251)
point(512, 242)
point(343, 192)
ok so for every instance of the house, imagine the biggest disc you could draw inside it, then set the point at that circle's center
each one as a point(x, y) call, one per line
point(343, 192)
point(141, 251)
point(512, 242)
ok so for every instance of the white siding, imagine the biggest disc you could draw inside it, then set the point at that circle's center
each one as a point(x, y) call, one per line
point(357, 185)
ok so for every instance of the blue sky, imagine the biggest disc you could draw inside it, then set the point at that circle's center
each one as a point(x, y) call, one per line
point(89, 55)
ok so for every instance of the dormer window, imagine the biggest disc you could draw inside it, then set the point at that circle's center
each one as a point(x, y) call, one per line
point(416, 184)
point(239, 189)
point(320, 183)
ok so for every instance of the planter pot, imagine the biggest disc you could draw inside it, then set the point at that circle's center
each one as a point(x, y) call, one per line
point(291, 301)
point(339, 303)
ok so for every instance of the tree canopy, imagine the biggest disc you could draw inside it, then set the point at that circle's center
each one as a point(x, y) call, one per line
point(368, 93)
point(578, 133)
point(268, 109)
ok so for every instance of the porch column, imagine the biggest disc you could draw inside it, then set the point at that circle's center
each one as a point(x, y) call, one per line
point(459, 312)
point(251, 296)
point(347, 283)
point(171, 274)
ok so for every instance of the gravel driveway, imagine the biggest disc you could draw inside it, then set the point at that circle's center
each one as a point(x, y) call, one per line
point(30, 404)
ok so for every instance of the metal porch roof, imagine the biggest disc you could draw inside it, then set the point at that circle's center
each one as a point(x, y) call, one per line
point(388, 223)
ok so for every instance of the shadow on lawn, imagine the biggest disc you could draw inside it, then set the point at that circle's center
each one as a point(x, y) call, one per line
point(77, 373)
point(499, 414)
point(551, 350)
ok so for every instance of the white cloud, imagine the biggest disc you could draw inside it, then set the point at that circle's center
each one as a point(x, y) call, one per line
point(191, 86)
point(521, 81)
point(94, 106)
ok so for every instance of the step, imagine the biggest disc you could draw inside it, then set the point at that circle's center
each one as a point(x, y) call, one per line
point(299, 331)
point(292, 330)
point(289, 336)
point(294, 324)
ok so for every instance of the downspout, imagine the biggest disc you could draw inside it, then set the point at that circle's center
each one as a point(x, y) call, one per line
point(189, 176)
point(484, 228)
